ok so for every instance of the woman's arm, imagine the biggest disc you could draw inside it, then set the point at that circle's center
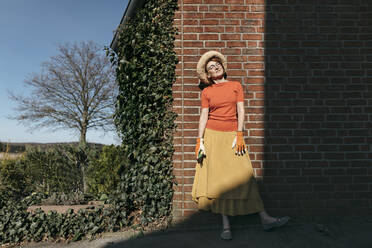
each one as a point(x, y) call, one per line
point(240, 108)
point(203, 121)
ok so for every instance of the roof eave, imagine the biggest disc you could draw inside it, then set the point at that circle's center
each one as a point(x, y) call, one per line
point(130, 11)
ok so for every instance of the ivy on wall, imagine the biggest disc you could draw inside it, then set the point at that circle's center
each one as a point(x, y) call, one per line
point(146, 63)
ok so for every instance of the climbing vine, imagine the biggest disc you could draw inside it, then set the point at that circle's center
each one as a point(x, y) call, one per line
point(146, 63)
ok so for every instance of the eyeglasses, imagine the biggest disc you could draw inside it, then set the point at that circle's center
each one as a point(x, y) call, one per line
point(213, 67)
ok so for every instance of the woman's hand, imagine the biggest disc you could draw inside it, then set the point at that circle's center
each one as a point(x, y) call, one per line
point(239, 143)
point(199, 149)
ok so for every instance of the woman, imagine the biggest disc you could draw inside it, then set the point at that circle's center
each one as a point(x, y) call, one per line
point(224, 182)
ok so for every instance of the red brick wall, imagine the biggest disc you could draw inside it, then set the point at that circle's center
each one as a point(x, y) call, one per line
point(235, 28)
point(318, 115)
point(306, 70)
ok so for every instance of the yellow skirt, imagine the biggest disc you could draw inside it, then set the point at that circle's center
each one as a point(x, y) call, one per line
point(224, 183)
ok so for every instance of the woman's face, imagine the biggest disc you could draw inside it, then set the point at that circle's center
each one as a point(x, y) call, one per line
point(214, 69)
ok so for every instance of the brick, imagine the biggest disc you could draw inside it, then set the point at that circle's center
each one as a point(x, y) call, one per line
point(254, 16)
point(362, 179)
point(190, 22)
point(239, 8)
point(255, 2)
point(190, 8)
point(230, 37)
point(256, 164)
point(256, 73)
point(203, 8)
point(189, 65)
point(209, 22)
point(259, 95)
point(251, 80)
point(233, 15)
point(235, 66)
point(213, 15)
point(237, 72)
point(236, 58)
point(236, 44)
point(229, 29)
point(252, 36)
point(256, 132)
point(218, 8)
point(190, 29)
point(260, 8)
point(241, 29)
point(234, 22)
point(254, 125)
point(192, 15)
point(256, 118)
point(234, 1)
point(214, 44)
point(255, 88)
point(190, 58)
point(191, 118)
point(256, 58)
point(218, 29)
point(231, 51)
point(341, 179)
point(208, 36)
point(252, 51)
point(193, 44)
point(250, 23)
point(189, 36)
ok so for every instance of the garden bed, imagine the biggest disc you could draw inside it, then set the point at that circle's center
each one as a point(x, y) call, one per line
point(63, 208)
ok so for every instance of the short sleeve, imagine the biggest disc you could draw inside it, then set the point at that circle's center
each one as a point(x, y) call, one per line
point(204, 100)
point(240, 93)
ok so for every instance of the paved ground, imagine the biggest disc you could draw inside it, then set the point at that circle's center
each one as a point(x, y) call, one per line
point(335, 232)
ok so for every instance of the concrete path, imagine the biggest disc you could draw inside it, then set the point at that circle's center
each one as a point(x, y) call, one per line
point(335, 232)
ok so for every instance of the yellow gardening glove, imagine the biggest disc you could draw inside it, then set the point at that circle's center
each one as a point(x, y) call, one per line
point(239, 144)
point(199, 149)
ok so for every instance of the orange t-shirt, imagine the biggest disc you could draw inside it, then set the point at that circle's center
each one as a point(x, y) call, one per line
point(221, 100)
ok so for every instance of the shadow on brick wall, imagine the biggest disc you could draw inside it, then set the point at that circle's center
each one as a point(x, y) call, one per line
point(318, 107)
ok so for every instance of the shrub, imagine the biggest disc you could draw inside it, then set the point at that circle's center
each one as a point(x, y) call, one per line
point(15, 179)
point(103, 172)
point(55, 169)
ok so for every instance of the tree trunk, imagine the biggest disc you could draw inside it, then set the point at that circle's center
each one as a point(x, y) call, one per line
point(83, 136)
point(83, 146)
point(85, 186)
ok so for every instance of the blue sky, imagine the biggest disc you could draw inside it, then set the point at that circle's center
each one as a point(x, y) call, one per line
point(30, 33)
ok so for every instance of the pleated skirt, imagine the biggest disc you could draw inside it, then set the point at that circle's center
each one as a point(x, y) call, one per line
point(224, 183)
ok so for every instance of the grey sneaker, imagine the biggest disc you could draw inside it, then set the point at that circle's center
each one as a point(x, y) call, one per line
point(277, 223)
point(226, 234)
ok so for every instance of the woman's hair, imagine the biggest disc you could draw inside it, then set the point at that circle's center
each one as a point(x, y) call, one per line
point(203, 85)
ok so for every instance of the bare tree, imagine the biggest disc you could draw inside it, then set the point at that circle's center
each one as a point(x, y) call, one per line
point(75, 90)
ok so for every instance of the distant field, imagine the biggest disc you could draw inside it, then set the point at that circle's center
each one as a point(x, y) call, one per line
point(21, 147)
point(9, 155)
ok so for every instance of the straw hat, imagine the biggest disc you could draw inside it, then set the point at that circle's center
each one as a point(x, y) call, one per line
point(200, 69)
